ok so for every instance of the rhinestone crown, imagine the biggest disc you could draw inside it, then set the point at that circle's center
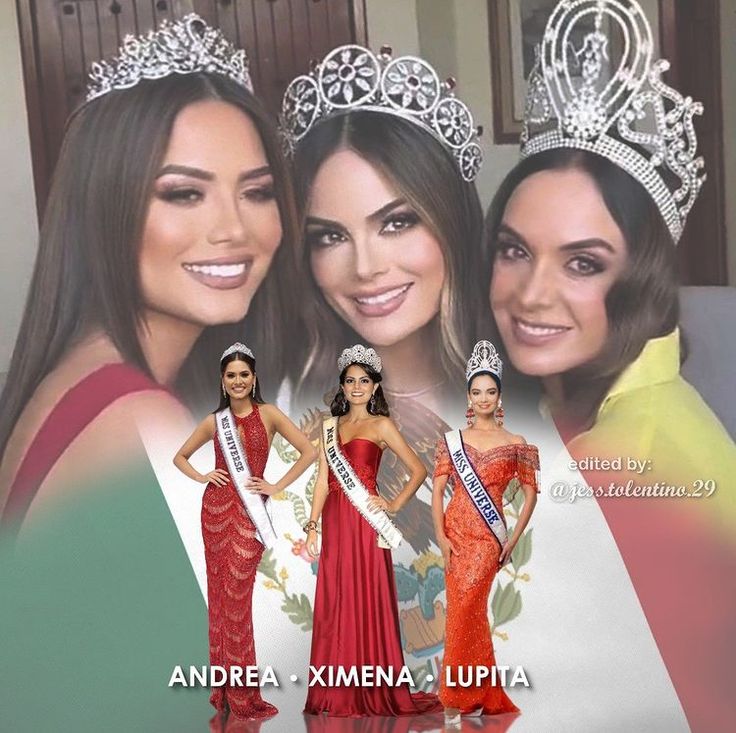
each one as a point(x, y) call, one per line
point(579, 97)
point(186, 46)
point(353, 78)
point(358, 354)
point(237, 347)
point(484, 358)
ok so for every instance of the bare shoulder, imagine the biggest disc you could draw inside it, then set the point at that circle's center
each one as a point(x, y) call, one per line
point(270, 411)
point(157, 405)
point(516, 439)
point(384, 424)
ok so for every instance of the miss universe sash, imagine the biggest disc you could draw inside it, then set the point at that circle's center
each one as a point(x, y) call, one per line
point(237, 466)
point(388, 533)
point(474, 486)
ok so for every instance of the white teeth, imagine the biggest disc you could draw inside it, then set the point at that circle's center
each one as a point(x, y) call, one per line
point(218, 270)
point(383, 297)
point(539, 330)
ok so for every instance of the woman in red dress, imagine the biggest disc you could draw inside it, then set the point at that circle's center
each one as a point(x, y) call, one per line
point(232, 546)
point(158, 244)
point(356, 620)
point(473, 548)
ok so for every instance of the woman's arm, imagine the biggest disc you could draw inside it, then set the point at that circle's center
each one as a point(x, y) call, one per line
point(203, 433)
point(417, 473)
point(530, 501)
point(318, 501)
point(307, 453)
point(438, 515)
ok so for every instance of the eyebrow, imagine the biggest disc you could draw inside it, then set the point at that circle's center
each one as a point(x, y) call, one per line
point(203, 175)
point(377, 215)
point(590, 243)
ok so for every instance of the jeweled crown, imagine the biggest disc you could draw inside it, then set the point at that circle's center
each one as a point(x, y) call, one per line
point(185, 46)
point(484, 358)
point(239, 348)
point(580, 97)
point(352, 78)
point(358, 354)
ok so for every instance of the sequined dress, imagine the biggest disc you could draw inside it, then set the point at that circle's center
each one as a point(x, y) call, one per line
point(472, 570)
point(356, 621)
point(232, 553)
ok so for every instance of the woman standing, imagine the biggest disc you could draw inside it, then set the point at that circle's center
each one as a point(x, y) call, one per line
point(479, 462)
point(154, 237)
point(235, 522)
point(356, 619)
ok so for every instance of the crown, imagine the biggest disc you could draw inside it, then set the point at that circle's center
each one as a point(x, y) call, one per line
point(237, 347)
point(354, 78)
point(484, 358)
point(186, 46)
point(358, 354)
point(579, 97)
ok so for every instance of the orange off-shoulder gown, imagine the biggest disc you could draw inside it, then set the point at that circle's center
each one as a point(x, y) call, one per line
point(472, 570)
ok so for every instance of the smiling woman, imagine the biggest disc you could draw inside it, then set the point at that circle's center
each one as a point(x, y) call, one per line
point(392, 222)
point(169, 202)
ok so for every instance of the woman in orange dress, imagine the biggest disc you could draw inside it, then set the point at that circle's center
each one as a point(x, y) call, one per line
point(479, 462)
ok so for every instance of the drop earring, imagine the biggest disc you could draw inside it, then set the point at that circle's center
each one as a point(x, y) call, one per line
point(224, 391)
point(498, 414)
point(469, 414)
point(253, 391)
point(372, 403)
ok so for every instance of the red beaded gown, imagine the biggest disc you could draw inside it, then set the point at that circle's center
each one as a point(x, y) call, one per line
point(472, 570)
point(232, 553)
point(356, 620)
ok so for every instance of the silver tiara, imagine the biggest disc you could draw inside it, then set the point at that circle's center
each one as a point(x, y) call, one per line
point(186, 46)
point(354, 78)
point(358, 354)
point(484, 358)
point(575, 101)
point(240, 348)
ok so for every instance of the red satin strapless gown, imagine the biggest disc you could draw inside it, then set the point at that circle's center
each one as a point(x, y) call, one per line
point(232, 553)
point(356, 618)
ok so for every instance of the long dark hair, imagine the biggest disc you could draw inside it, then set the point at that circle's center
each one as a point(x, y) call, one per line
point(251, 362)
point(426, 175)
point(340, 405)
point(642, 304)
point(86, 272)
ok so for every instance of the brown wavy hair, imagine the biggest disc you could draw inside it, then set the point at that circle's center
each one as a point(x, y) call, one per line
point(642, 304)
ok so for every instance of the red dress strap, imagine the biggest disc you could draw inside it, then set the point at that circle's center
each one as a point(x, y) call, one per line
point(79, 406)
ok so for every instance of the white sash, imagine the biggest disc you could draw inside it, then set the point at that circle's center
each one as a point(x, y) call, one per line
point(389, 535)
point(237, 466)
point(474, 486)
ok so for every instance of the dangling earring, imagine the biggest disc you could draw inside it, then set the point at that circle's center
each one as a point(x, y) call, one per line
point(224, 391)
point(253, 391)
point(372, 403)
point(498, 414)
point(469, 414)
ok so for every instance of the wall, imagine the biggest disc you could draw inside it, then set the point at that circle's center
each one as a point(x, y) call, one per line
point(18, 227)
point(728, 81)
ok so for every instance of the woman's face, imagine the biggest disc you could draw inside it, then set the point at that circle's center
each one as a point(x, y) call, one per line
point(238, 379)
point(358, 387)
point(377, 264)
point(483, 395)
point(213, 223)
point(557, 253)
